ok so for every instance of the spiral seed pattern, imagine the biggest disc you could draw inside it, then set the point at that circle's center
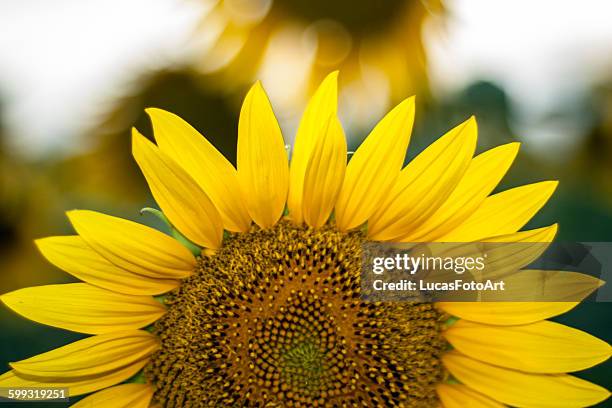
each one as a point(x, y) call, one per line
point(275, 319)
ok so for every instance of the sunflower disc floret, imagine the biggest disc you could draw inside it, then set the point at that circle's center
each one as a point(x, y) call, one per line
point(275, 318)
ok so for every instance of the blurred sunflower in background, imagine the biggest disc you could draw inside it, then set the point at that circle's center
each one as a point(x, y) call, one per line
point(290, 46)
point(264, 309)
point(375, 44)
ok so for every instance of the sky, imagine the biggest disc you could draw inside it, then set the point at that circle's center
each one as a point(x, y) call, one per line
point(57, 59)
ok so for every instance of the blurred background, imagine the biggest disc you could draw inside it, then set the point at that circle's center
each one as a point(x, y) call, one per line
point(75, 77)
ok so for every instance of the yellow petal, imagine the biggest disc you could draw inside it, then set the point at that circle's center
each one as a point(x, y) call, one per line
point(504, 258)
point(74, 256)
point(506, 313)
point(134, 247)
point(482, 175)
point(76, 386)
point(263, 168)
point(424, 184)
point(374, 167)
point(521, 249)
point(461, 396)
point(92, 356)
point(324, 174)
point(119, 396)
point(544, 234)
point(549, 286)
point(83, 308)
point(523, 389)
point(541, 347)
point(205, 164)
point(503, 213)
point(321, 106)
point(184, 203)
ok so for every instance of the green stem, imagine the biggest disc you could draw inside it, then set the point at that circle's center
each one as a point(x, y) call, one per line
point(196, 250)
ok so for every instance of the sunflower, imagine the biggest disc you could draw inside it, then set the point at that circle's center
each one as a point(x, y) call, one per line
point(255, 300)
